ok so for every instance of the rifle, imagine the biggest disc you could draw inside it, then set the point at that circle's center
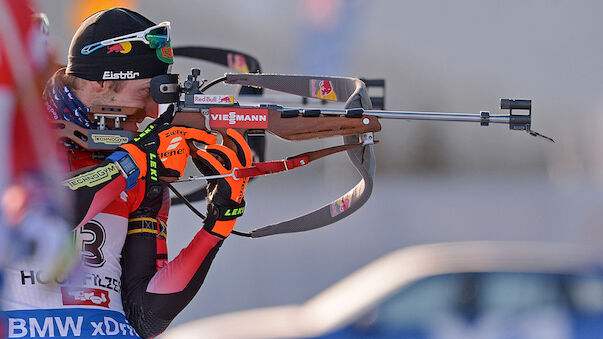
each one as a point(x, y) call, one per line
point(356, 123)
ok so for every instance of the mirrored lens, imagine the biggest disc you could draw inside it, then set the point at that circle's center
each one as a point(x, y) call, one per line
point(158, 37)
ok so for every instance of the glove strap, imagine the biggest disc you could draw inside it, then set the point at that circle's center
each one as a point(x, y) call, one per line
point(221, 219)
point(225, 212)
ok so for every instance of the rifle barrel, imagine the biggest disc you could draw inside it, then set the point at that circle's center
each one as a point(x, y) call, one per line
point(433, 116)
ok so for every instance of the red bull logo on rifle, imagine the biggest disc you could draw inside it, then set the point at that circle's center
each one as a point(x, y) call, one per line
point(213, 99)
point(322, 89)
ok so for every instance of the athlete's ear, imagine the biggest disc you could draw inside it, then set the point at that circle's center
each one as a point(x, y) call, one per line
point(98, 86)
point(103, 88)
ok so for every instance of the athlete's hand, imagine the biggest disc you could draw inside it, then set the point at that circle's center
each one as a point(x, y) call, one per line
point(161, 150)
point(225, 201)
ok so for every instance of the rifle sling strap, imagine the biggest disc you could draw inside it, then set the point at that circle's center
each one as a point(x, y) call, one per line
point(363, 159)
point(269, 167)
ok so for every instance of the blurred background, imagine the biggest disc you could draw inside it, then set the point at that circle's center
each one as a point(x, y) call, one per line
point(435, 181)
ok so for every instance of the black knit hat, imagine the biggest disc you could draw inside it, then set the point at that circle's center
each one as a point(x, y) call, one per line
point(120, 61)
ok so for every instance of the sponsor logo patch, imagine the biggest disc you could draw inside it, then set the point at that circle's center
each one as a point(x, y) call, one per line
point(165, 155)
point(223, 117)
point(341, 205)
point(125, 75)
point(322, 89)
point(237, 62)
point(165, 54)
point(109, 139)
point(67, 323)
point(86, 280)
point(213, 99)
point(123, 48)
point(92, 178)
point(85, 296)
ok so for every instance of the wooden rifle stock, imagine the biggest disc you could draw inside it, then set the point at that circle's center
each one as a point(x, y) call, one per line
point(290, 128)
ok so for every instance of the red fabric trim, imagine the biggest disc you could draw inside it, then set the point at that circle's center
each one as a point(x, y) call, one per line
point(104, 197)
point(136, 195)
point(178, 273)
point(161, 249)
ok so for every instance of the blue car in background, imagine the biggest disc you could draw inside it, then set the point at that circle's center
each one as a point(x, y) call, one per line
point(445, 291)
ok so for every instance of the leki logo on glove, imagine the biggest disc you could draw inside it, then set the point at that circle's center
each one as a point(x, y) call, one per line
point(144, 133)
point(224, 117)
point(153, 167)
point(234, 212)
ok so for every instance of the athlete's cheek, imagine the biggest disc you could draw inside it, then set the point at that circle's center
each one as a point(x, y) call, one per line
point(151, 108)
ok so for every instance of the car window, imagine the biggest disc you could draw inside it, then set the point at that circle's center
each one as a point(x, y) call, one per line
point(421, 301)
point(586, 293)
point(498, 299)
point(517, 292)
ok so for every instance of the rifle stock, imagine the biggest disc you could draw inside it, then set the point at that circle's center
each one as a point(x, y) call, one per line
point(292, 129)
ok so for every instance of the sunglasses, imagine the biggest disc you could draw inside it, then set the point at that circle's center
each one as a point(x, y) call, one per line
point(156, 36)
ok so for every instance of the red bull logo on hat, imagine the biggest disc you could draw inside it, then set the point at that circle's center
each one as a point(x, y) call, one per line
point(123, 48)
point(322, 89)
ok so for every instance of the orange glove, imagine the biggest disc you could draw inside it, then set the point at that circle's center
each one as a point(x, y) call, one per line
point(161, 150)
point(225, 201)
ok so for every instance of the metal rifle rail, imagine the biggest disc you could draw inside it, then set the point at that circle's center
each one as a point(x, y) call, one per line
point(521, 122)
point(515, 122)
point(410, 115)
point(384, 114)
